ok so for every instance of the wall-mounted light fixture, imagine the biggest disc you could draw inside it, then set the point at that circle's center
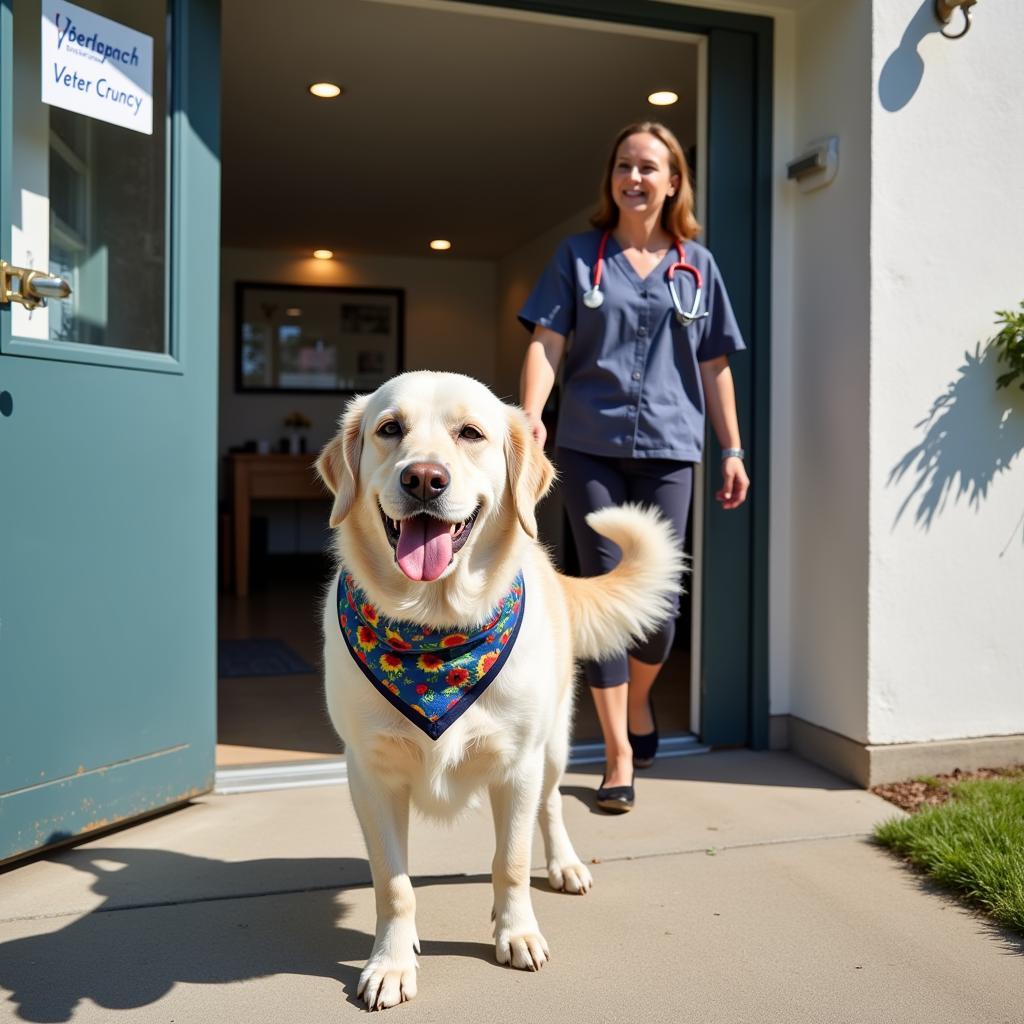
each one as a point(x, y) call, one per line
point(944, 11)
point(817, 165)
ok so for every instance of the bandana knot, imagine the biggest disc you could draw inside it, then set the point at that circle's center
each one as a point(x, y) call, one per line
point(431, 675)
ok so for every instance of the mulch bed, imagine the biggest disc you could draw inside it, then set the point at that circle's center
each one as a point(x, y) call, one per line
point(933, 790)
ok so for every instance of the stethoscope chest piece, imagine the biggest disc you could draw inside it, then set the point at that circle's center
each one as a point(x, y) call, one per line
point(692, 317)
point(683, 315)
point(593, 298)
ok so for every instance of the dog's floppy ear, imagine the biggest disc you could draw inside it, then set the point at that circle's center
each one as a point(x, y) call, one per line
point(338, 464)
point(530, 473)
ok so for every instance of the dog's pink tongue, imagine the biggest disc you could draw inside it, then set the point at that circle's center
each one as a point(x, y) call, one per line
point(424, 547)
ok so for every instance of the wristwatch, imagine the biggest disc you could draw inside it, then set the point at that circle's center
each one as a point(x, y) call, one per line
point(733, 453)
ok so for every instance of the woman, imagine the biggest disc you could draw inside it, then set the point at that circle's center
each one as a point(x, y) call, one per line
point(638, 377)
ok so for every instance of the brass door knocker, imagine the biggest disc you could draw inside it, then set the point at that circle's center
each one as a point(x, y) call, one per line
point(944, 10)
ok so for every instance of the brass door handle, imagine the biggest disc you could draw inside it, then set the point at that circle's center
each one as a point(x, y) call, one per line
point(34, 286)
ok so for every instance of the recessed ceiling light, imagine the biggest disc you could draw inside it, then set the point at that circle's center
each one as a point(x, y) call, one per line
point(440, 244)
point(325, 90)
point(664, 98)
point(293, 311)
point(323, 254)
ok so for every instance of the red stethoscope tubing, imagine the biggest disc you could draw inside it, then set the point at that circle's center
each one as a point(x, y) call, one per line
point(684, 316)
point(599, 266)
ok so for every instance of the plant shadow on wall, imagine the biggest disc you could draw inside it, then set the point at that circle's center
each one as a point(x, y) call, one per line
point(904, 68)
point(972, 433)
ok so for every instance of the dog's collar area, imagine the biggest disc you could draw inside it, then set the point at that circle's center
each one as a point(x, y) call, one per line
point(431, 676)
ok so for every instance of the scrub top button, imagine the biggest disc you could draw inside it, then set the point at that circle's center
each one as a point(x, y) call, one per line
point(636, 375)
point(641, 332)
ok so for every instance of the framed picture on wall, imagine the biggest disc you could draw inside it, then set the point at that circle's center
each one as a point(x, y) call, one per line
point(312, 338)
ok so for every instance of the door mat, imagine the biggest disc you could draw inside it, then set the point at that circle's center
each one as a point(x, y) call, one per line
point(259, 657)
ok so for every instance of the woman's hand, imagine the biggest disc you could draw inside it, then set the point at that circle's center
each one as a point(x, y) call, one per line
point(537, 428)
point(540, 366)
point(720, 395)
point(735, 483)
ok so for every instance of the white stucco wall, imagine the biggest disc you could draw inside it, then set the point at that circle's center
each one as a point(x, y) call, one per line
point(785, 206)
point(946, 470)
point(821, 376)
point(517, 273)
point(897, 478)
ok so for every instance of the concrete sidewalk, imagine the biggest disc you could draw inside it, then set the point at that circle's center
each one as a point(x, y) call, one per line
point(741, 889)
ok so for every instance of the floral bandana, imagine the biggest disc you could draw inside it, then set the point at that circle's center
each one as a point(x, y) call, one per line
point(432, 676)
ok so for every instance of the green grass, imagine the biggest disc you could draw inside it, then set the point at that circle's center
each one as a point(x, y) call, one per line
point(974, 844)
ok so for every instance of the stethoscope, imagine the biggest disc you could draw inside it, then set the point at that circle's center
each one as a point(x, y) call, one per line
point(594, 298)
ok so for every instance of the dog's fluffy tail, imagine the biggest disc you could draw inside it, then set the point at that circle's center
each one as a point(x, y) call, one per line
point(608, 613)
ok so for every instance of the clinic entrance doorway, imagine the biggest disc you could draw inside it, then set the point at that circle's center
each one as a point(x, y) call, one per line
point(445, 130)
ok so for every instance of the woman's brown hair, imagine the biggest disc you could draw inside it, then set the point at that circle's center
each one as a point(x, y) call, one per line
point(677, 212)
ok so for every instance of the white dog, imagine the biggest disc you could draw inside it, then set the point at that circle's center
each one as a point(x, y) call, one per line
point(450, 639)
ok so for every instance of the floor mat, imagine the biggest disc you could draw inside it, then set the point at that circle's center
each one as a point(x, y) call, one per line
point(259, 657)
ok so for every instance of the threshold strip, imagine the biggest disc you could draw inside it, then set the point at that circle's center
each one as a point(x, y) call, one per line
point(334, 771)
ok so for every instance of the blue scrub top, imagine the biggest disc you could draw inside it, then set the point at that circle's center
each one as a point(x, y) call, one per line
point(631, 386)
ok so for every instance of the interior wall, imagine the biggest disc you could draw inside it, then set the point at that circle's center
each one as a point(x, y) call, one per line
point(829, 407)
point(517, 273)
point(947, 476)
point(449, 325)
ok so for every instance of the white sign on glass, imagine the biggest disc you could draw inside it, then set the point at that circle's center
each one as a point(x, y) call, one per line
point(97, 67)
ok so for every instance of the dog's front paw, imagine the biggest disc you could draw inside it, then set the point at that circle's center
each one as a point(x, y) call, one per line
point(573, 877)
point(386, 982)
point(526, 950)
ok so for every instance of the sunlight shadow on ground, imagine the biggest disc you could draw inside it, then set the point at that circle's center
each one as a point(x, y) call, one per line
point(123, 956)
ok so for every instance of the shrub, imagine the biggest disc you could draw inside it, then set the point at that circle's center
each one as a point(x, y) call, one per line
point(1010, 343)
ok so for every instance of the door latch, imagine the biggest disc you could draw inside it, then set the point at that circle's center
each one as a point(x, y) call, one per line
point(34, 286)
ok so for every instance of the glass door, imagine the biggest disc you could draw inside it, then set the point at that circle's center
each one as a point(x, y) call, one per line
point(109, 190)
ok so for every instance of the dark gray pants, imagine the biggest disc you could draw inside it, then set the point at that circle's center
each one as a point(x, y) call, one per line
point(590, 482)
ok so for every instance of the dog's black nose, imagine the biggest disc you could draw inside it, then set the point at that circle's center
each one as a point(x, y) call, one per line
point(425, 480)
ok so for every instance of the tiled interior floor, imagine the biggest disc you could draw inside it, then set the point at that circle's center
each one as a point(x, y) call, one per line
point(276, 718)
point(267, 719)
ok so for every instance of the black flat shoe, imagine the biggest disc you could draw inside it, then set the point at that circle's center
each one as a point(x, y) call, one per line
point(645, 747)
point(616, 799)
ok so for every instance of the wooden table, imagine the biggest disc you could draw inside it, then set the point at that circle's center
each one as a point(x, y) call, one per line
point(265, 477)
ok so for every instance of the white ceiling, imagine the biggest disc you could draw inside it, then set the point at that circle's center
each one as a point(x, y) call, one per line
point(484, 129)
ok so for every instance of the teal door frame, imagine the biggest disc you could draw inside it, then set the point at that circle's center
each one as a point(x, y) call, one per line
point(734, 616)
point(108, 520)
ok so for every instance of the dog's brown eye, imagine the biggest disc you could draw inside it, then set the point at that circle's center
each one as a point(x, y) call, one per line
point(470, 433)
point(389, 428)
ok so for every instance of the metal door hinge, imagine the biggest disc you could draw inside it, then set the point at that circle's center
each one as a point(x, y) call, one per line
point(34, 286)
